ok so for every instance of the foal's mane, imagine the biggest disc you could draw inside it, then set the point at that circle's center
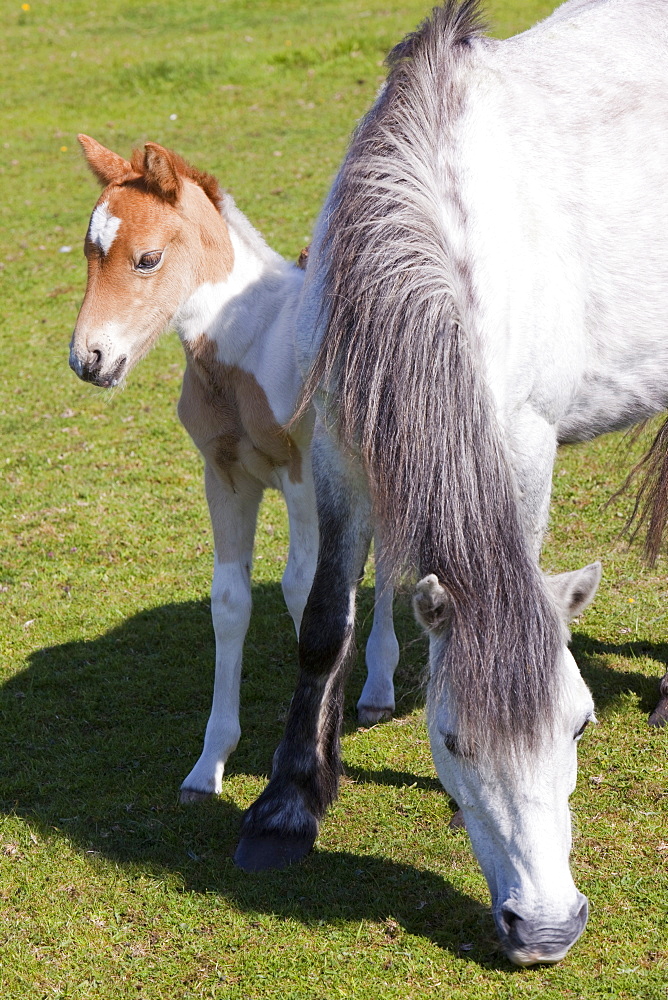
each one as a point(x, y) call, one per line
point(154, 169)
point(401, 364)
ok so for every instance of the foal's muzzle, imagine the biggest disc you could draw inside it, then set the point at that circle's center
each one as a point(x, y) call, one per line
point(91, 369)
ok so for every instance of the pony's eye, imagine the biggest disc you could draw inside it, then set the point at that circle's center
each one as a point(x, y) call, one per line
point(451, 744)
point(149, 261)
point(581, 729)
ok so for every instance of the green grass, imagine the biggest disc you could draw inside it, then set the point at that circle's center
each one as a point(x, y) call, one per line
point(109, 888)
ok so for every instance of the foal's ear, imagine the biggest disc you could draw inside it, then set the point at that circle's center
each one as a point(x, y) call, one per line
point(108, 167)
point(161, 172)
point(573, 591)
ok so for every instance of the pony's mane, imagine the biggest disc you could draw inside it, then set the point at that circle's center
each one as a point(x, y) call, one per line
point(401, 363)
point(453, 24)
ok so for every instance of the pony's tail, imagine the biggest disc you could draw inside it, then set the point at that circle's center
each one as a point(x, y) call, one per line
point(401, 365)
point(650, 509)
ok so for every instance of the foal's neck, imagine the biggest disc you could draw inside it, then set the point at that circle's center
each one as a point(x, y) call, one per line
point(250, 306)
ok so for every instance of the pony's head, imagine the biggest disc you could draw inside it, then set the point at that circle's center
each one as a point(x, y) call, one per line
point(515, 804)
point(156, 235)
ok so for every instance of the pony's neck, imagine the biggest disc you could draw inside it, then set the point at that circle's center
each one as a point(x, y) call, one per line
point(238, 312)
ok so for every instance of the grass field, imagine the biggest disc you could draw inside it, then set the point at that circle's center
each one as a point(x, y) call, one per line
point(110, 889)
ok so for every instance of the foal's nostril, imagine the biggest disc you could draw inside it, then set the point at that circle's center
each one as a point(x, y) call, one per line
point(91, 366)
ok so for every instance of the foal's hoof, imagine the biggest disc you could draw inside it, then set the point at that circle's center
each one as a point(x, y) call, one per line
point(266, 851)
point(368, 716)
point(659, 716)
point(189, 795)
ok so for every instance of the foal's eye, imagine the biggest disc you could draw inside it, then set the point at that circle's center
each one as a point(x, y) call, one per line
point(149, 261)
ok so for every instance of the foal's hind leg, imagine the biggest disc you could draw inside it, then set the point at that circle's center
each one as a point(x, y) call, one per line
point(282, 825)
point(382, 650)
point(303, 554)
point(233, 511)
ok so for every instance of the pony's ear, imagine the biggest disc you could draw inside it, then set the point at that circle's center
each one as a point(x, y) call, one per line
point(161, 172)
point(432, 605)
point(108, 167)
point(573, 591)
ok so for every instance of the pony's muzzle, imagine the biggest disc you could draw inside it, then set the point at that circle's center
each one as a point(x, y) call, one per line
point(530, 941)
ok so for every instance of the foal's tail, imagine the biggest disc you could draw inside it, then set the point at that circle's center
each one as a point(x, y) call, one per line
point(402, 365)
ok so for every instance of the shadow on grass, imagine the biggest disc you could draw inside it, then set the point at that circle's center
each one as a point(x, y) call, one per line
point(143, 690)
point(397, 779)
point(609, 685)
point(97, 736)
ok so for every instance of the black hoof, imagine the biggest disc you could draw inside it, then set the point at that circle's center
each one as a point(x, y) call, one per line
point(266, 851)
point(659, 716)
point(457, 821)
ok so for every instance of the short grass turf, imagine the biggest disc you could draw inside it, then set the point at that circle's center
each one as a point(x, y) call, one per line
point(110, 889)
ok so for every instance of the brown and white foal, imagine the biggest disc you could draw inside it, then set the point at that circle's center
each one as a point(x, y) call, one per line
point(166, 247)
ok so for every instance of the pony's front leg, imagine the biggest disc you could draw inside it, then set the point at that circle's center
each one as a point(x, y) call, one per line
point(533, 447)
point(382, 649)
point(233, 510)
point(659, 717)
point(282, 825)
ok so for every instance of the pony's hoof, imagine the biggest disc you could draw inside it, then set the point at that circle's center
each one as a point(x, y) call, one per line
point(270, 851)
point(659, 716)
point(189, 795)
point(457, 821)
point(367, 716)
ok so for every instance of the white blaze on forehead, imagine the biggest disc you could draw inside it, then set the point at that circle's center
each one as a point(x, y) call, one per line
point(103, 227)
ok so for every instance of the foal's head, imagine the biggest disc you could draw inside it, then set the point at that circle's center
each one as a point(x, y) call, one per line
point(156, 235)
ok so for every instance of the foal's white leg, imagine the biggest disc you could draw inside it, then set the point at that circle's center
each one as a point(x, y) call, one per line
point(303, 554)
point(382, 650)
point(233, 511)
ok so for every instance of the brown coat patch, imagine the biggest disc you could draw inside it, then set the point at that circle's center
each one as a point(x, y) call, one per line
point(197, 247)
point(302, 260)
point(226, 412)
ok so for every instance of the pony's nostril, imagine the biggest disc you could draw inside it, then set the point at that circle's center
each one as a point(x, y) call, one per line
point(510, 919)
point(94, 360)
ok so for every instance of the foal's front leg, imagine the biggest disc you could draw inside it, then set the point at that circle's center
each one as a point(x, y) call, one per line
point(282, 825)
point(233, 509)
